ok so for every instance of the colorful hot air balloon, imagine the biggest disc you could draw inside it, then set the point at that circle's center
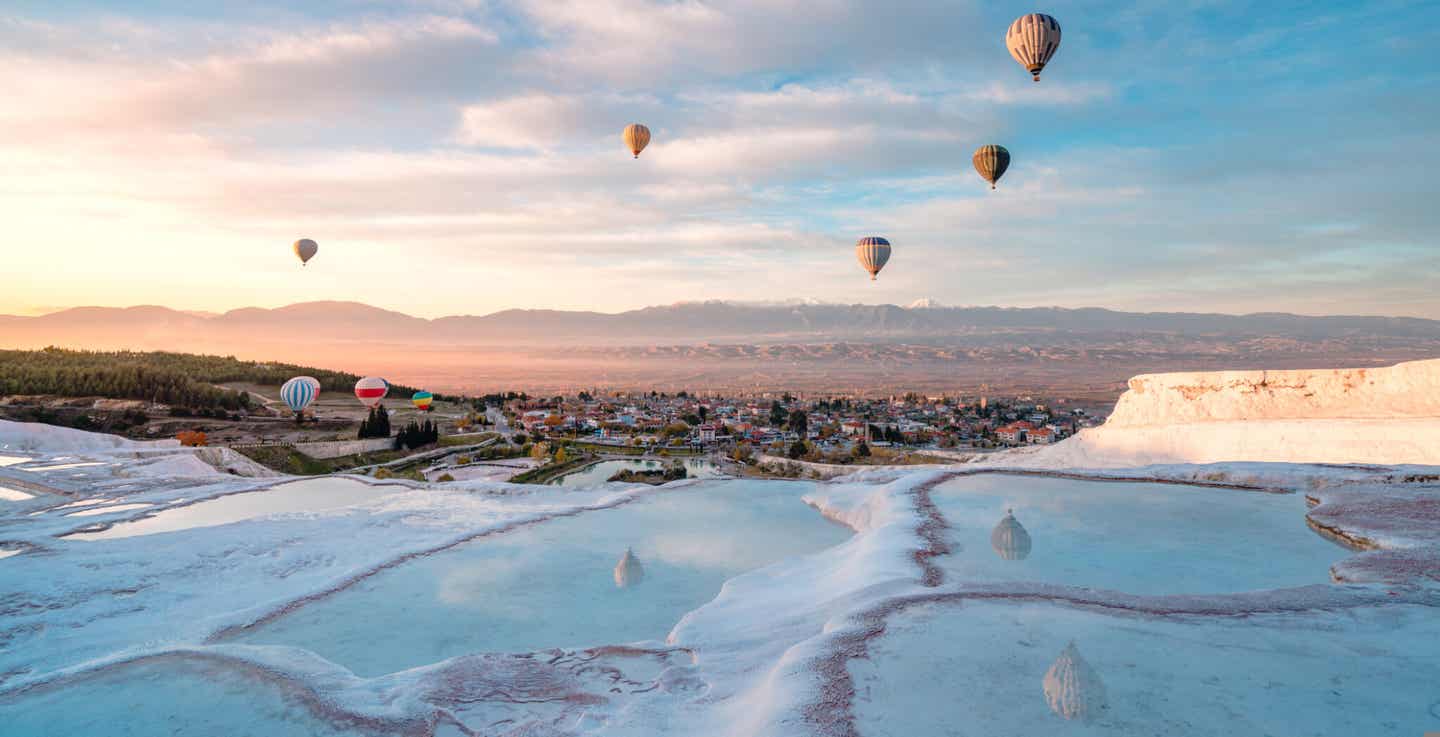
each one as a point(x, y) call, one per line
point(991, 160)
point(637, 137)
point(305, 249)
point(873, 252)
point(299, 392)
point(422, 400)
point(1032, 40)
point(370, 390)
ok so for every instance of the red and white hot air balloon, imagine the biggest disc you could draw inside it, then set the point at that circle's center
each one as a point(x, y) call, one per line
point(370, 390)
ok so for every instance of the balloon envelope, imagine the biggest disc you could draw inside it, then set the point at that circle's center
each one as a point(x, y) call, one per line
point(872, 252)
point(422, 400)
point(637, 137)
point(299, 392)
point(1032, 40)
point(305, 249)
point(370, 390)
point(991, 160)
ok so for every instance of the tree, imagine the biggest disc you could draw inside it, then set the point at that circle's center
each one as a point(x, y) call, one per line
point(799, 423)
point(777, 414)
point(704, 412)
point(560, 456)
point(742, 453)
point(797, 450)
point(861, 450)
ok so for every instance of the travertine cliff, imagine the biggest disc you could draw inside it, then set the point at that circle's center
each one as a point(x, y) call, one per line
point(1379, 415)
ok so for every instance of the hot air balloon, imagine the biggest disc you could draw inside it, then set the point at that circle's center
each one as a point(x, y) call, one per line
point(1009, 538)
point(873, 252)
point(629, 572)
point(1072, 687)
point(637, 137)
point(1032, 40)
point(370, 390)
point(299, 392)
point(305, 249)
point(991, 160)
point(422, 400)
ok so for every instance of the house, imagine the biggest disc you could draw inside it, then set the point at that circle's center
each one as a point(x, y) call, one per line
point(1012, 433)
point(707, 433)
point(1040, 436)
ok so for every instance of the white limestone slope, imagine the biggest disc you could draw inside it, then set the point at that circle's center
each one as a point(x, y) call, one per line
point(1380, 415)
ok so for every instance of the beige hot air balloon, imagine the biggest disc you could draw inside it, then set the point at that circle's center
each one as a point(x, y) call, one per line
point(637, 137)
point(872, 252)
point(305, 249)
point(1032, 40)
point(1072, 688)
point(629, 572)
point(991, 160)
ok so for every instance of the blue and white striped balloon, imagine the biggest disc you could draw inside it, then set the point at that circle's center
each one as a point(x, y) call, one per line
point(299, 392)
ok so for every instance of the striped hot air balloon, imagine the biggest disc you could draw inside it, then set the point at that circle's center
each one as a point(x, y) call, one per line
point(305, 249)
point(991, 160)
point(299, 392)
point(422, 400)
point(637, 137)
point(1032, 40)
point(872, 252)
point(370, 390)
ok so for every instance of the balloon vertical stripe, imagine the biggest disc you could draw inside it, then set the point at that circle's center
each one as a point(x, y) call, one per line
point(299, 392)
point(872, 252)
point(1033, 39)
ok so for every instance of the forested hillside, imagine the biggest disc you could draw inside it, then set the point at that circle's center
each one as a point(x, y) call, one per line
point(180, 379)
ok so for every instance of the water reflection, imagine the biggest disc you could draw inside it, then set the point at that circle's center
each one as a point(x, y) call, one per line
point(629, 572)
point(1072, 688)
point(311, 495)
point(1134, 537)
point(545, 585)
point(1009, 538)
point(599, 473)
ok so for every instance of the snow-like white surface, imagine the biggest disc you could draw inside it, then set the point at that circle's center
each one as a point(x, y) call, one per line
point(890, 630)
point(1377, 415)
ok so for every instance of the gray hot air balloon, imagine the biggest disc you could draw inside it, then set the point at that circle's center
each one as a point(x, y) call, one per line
point(1009, 538)
point(991, 160)
point(872, 252)
point(1032, 40)
point(305, 249)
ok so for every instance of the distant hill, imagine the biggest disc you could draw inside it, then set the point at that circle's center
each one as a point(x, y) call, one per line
point(729, 345)
point(691, 322)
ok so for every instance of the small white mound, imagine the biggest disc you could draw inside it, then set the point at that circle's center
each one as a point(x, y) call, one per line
point(33, 436)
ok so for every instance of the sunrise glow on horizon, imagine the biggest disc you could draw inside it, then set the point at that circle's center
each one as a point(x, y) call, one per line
point(463, 158)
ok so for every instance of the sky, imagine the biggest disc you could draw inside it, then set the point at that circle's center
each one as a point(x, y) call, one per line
point(464, 156)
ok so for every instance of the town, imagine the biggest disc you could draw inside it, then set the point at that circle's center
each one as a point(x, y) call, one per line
point(811, 428)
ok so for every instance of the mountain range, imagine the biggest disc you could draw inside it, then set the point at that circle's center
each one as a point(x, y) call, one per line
point(794, 345)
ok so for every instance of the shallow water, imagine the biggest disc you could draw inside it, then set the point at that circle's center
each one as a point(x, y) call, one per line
point(982, 666)
point(554, 584)
point(97, 511)
point(14, 495)
point(310, 495)
point(64, 466)
point(170, 698)
point(1133, 537)
point(697, 468)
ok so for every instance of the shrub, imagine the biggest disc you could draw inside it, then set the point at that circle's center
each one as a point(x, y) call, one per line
point(191, 438)
point(445, 477)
